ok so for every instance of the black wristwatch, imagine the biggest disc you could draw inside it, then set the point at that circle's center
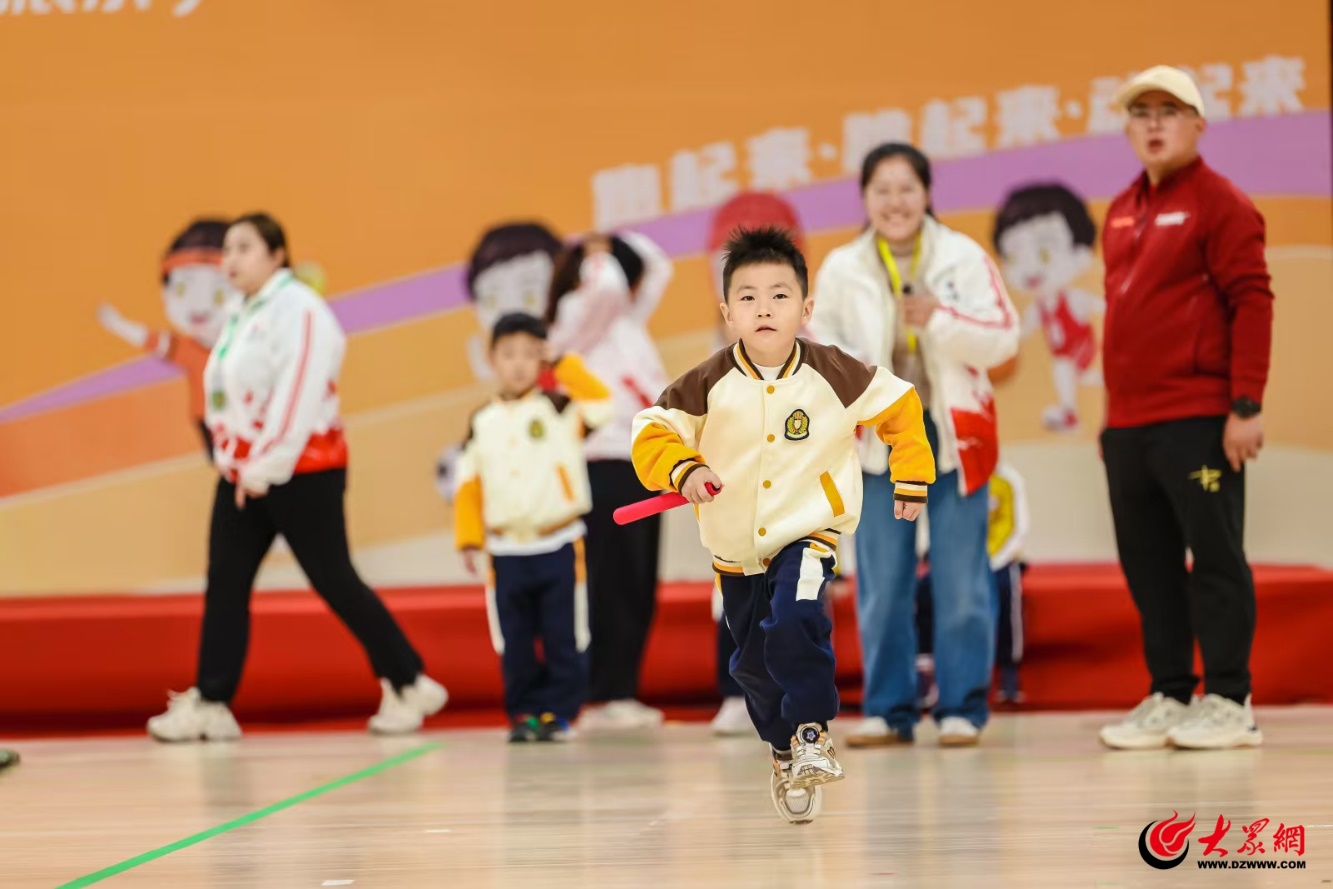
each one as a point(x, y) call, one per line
point(1245, 408)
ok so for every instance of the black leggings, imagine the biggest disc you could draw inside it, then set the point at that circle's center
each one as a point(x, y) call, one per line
point(308, 512)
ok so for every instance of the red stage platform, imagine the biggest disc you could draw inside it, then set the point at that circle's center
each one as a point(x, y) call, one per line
point(102, 662)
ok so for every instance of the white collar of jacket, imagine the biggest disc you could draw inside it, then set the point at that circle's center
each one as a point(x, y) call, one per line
point(276, 281)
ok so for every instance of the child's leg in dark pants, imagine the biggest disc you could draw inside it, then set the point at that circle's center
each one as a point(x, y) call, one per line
point(563, 610)
point(745, 603)
point(1009, 641)
point(784, 656)
point(512, 610)
point(727, 685)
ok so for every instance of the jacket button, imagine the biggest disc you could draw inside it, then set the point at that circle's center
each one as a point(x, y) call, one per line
point(767, 483)
point(771, 390)
point(763, 531)
point(766, 562)
point(770, 436)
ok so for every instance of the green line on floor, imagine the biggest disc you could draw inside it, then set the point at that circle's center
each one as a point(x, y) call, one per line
point(163, 851)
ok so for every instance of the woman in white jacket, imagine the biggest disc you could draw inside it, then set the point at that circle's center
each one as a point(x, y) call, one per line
point(603, 292)
point(926, 301)
point(271, 385)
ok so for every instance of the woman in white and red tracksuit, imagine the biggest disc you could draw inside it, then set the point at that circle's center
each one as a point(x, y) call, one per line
point(271, 384)
point(603, 292)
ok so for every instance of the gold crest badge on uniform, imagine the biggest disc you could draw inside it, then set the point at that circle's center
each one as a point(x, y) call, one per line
point(798, 425)
point(537, 430)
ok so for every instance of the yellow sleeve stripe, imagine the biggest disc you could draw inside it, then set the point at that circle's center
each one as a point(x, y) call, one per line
point(657, 454)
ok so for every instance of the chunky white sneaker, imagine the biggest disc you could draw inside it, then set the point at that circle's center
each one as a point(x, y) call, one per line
point(1217, 723)
point(733, 719)
point(403, 712)
point(190, 718)
point(955, 731)
point(627, 715)
point(797, 805)
point(1147, 725)
point(873, 731)
point(812, 757)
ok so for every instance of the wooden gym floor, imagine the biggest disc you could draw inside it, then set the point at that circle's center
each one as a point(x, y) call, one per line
point(1038, 804)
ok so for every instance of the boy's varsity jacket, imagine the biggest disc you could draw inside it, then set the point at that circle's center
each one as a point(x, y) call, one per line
point(522, 476)
point(785, 449)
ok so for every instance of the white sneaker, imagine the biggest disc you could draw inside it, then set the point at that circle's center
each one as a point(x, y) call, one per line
point(733, 719)
point(813, 760)
point(1147, 725)
point(955, 731)
point(627, 715)
point(403, 713)
point(875, 732)
point(190, 718)
point(1216, 723)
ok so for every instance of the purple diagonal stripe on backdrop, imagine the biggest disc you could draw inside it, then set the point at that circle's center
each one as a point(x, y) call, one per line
point(1287, 155)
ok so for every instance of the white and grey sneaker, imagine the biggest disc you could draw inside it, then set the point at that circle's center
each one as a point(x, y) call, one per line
point(813, 760)
point(626, 715)
point(733, 719)
point(1147, 725)
point(190, 718)
point(1217, 723)
point(404, 712)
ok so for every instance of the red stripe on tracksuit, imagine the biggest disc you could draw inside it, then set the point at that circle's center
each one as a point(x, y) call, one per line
point(996, 289)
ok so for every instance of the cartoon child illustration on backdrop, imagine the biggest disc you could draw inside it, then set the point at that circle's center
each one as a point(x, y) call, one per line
point(1045, 236)
point(509, 271)
point(197, 300)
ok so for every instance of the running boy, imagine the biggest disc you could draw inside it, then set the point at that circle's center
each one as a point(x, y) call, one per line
point(771, 421)
point(522, 492)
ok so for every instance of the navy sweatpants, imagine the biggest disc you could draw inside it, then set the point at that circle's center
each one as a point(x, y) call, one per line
point(784, 653)
point(541, 597)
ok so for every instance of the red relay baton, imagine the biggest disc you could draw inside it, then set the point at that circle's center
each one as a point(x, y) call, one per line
point(654, 505)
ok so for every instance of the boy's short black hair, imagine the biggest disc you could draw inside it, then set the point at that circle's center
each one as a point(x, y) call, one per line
point(1042, 198)
point(516, 323)
point(758, 246)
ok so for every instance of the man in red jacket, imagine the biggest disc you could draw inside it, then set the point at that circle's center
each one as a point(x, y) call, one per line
point(1188, 326)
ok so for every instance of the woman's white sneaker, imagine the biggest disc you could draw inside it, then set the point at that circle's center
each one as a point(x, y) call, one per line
point(874, 731)
point(955, 731)
point(190, 718)
point(1147, 725)
point(1217, 723)
point(403, 712)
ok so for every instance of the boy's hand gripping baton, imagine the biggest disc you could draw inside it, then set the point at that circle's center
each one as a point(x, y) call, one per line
point(654, 505)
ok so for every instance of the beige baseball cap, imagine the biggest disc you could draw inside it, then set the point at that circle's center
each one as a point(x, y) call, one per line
point(1164, 78)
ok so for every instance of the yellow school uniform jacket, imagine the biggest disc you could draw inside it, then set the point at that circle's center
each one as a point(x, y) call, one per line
point(522, 476)
point(785, 449)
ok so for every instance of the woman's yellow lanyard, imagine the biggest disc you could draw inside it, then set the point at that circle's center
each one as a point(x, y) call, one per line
point(896, 280)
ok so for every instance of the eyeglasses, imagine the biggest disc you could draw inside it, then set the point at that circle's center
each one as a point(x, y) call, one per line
point(1164, 113)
